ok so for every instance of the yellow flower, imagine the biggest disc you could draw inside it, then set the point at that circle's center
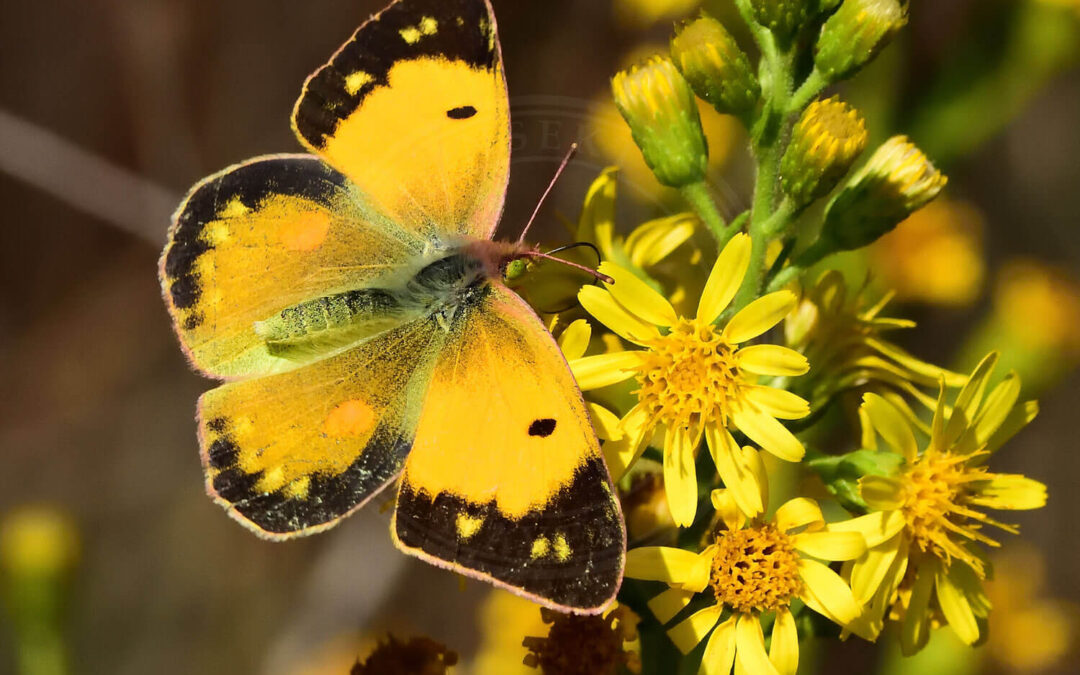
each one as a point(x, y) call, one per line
point(845, 341)
point(934, 256)
point(694, 378)
point(754, 568)
point(1040, 306)
point(923, 562)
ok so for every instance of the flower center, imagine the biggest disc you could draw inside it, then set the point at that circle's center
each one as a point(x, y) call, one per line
point(589, 645)
point(935, 506)
point(755, 570)
point(688, 376)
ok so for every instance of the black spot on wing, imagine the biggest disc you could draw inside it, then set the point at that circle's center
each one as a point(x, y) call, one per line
point(584, 513)
point(462, 113)
point(462, 34)
point(542, 427)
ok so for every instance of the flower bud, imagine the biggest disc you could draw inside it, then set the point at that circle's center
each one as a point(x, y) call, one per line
point(711, 61)
point(828, 138)
point(783, 17)
point(662, 112)
point(854, 35)
point(897, 181)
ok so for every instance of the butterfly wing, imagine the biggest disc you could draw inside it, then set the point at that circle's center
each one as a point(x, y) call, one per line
point(505, 480)
point(292, 453)
point(262, 236)
point(414, 110)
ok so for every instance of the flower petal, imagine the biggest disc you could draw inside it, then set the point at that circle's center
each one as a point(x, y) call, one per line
point(720, 652)
point(759, 316)
point(830, 545)
point(765, 431)
point(1018, 418)
point(784, 652)
point(872, 570)
point(680, 477)
point(1010, 492)
point(602, 305)
point(602, 370)
point(605, 423)
point(999, 404)
point(772, 360)
point(725, 278)
point(669, 603)
point(891, 425)
point(955, 607)
point(660, 563)
point(689, 633)
point(968, 400)
point(723, 502)
point(826, 593)
point(620, 455)
point(735, 473)
point(637, 296)
point(750, 647)
point(777, 403)
point(651, 242)
point(881, 493)
point(574, 340)
point(876, 527)
point(915, 628)
point(799, 512)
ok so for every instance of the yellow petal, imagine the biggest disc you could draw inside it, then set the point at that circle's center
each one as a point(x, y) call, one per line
point(876, 527)
point(690, 632)
point(777, 403)
point(598, 214)
point(575, 339)
point(651, 242)
point(968, 400)
point(735, 473)
point(759, 316)
point(955, 607)
point(725, 278)
point(999, 404)
point(638, 297)
point(799, 512)
point(1010, 492)
point(826, 593)
point(602, 370)
point(680, 477)
point(772, 360)
point(602, 305)
point(660, 563)
point(784, 652)
point(750, 647)
point(605, 423)
point(872, 570)
point(669, 603)
point(720, 652)
point(881, 493)
point(891, 425)
point(1018, 418)
point(698, 579)
point(830, 545)
point(620, 455)
point(727, 508)
point(765, 431)
point(915, 628)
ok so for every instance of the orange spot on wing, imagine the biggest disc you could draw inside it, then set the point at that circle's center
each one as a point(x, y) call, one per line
point(305, 232)
point(351, 418)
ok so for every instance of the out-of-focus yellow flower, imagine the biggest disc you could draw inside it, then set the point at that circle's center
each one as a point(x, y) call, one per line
point(645, 13)
point(417, 656)
point(504, 619)
point(934, 256)
point(1029, 632)
point(645, 505)
point(1068, 4)
point(37, 542)
point(1040, 306)
point(922, 565)
point(845, 341)
point(585, 645)
point(695, 380)
point(753, 567)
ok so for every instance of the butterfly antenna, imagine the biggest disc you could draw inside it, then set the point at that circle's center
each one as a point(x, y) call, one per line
point(558, 172)
point(584, 268)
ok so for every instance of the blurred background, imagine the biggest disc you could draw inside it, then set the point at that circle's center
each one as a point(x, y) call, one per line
point(113, 558)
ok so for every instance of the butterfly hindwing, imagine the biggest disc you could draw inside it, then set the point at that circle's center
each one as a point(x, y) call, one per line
point(505, 480)
point(258, 238)
point(292, 453)
point(414, 110)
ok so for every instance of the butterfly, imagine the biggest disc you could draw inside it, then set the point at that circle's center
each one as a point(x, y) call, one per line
point(351, 300)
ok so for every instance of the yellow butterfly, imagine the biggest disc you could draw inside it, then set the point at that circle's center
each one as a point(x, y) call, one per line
point(352, 300)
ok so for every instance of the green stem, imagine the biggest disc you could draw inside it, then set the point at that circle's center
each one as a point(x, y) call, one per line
point(702, 202)
point(806, 92)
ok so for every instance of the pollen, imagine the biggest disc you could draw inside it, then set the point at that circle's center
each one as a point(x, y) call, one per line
point(936, 493)
point(689, 376)
point(755, 570)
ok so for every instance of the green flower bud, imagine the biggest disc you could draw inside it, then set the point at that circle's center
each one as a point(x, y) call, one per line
point(854, 35)
point(824, 144)
point(711, 61)
point(841, 474)
point(783, 17)
point(897, 181)
point(662, 112)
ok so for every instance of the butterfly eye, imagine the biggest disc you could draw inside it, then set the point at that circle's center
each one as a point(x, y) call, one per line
point(542, 427)
point(462, 113)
